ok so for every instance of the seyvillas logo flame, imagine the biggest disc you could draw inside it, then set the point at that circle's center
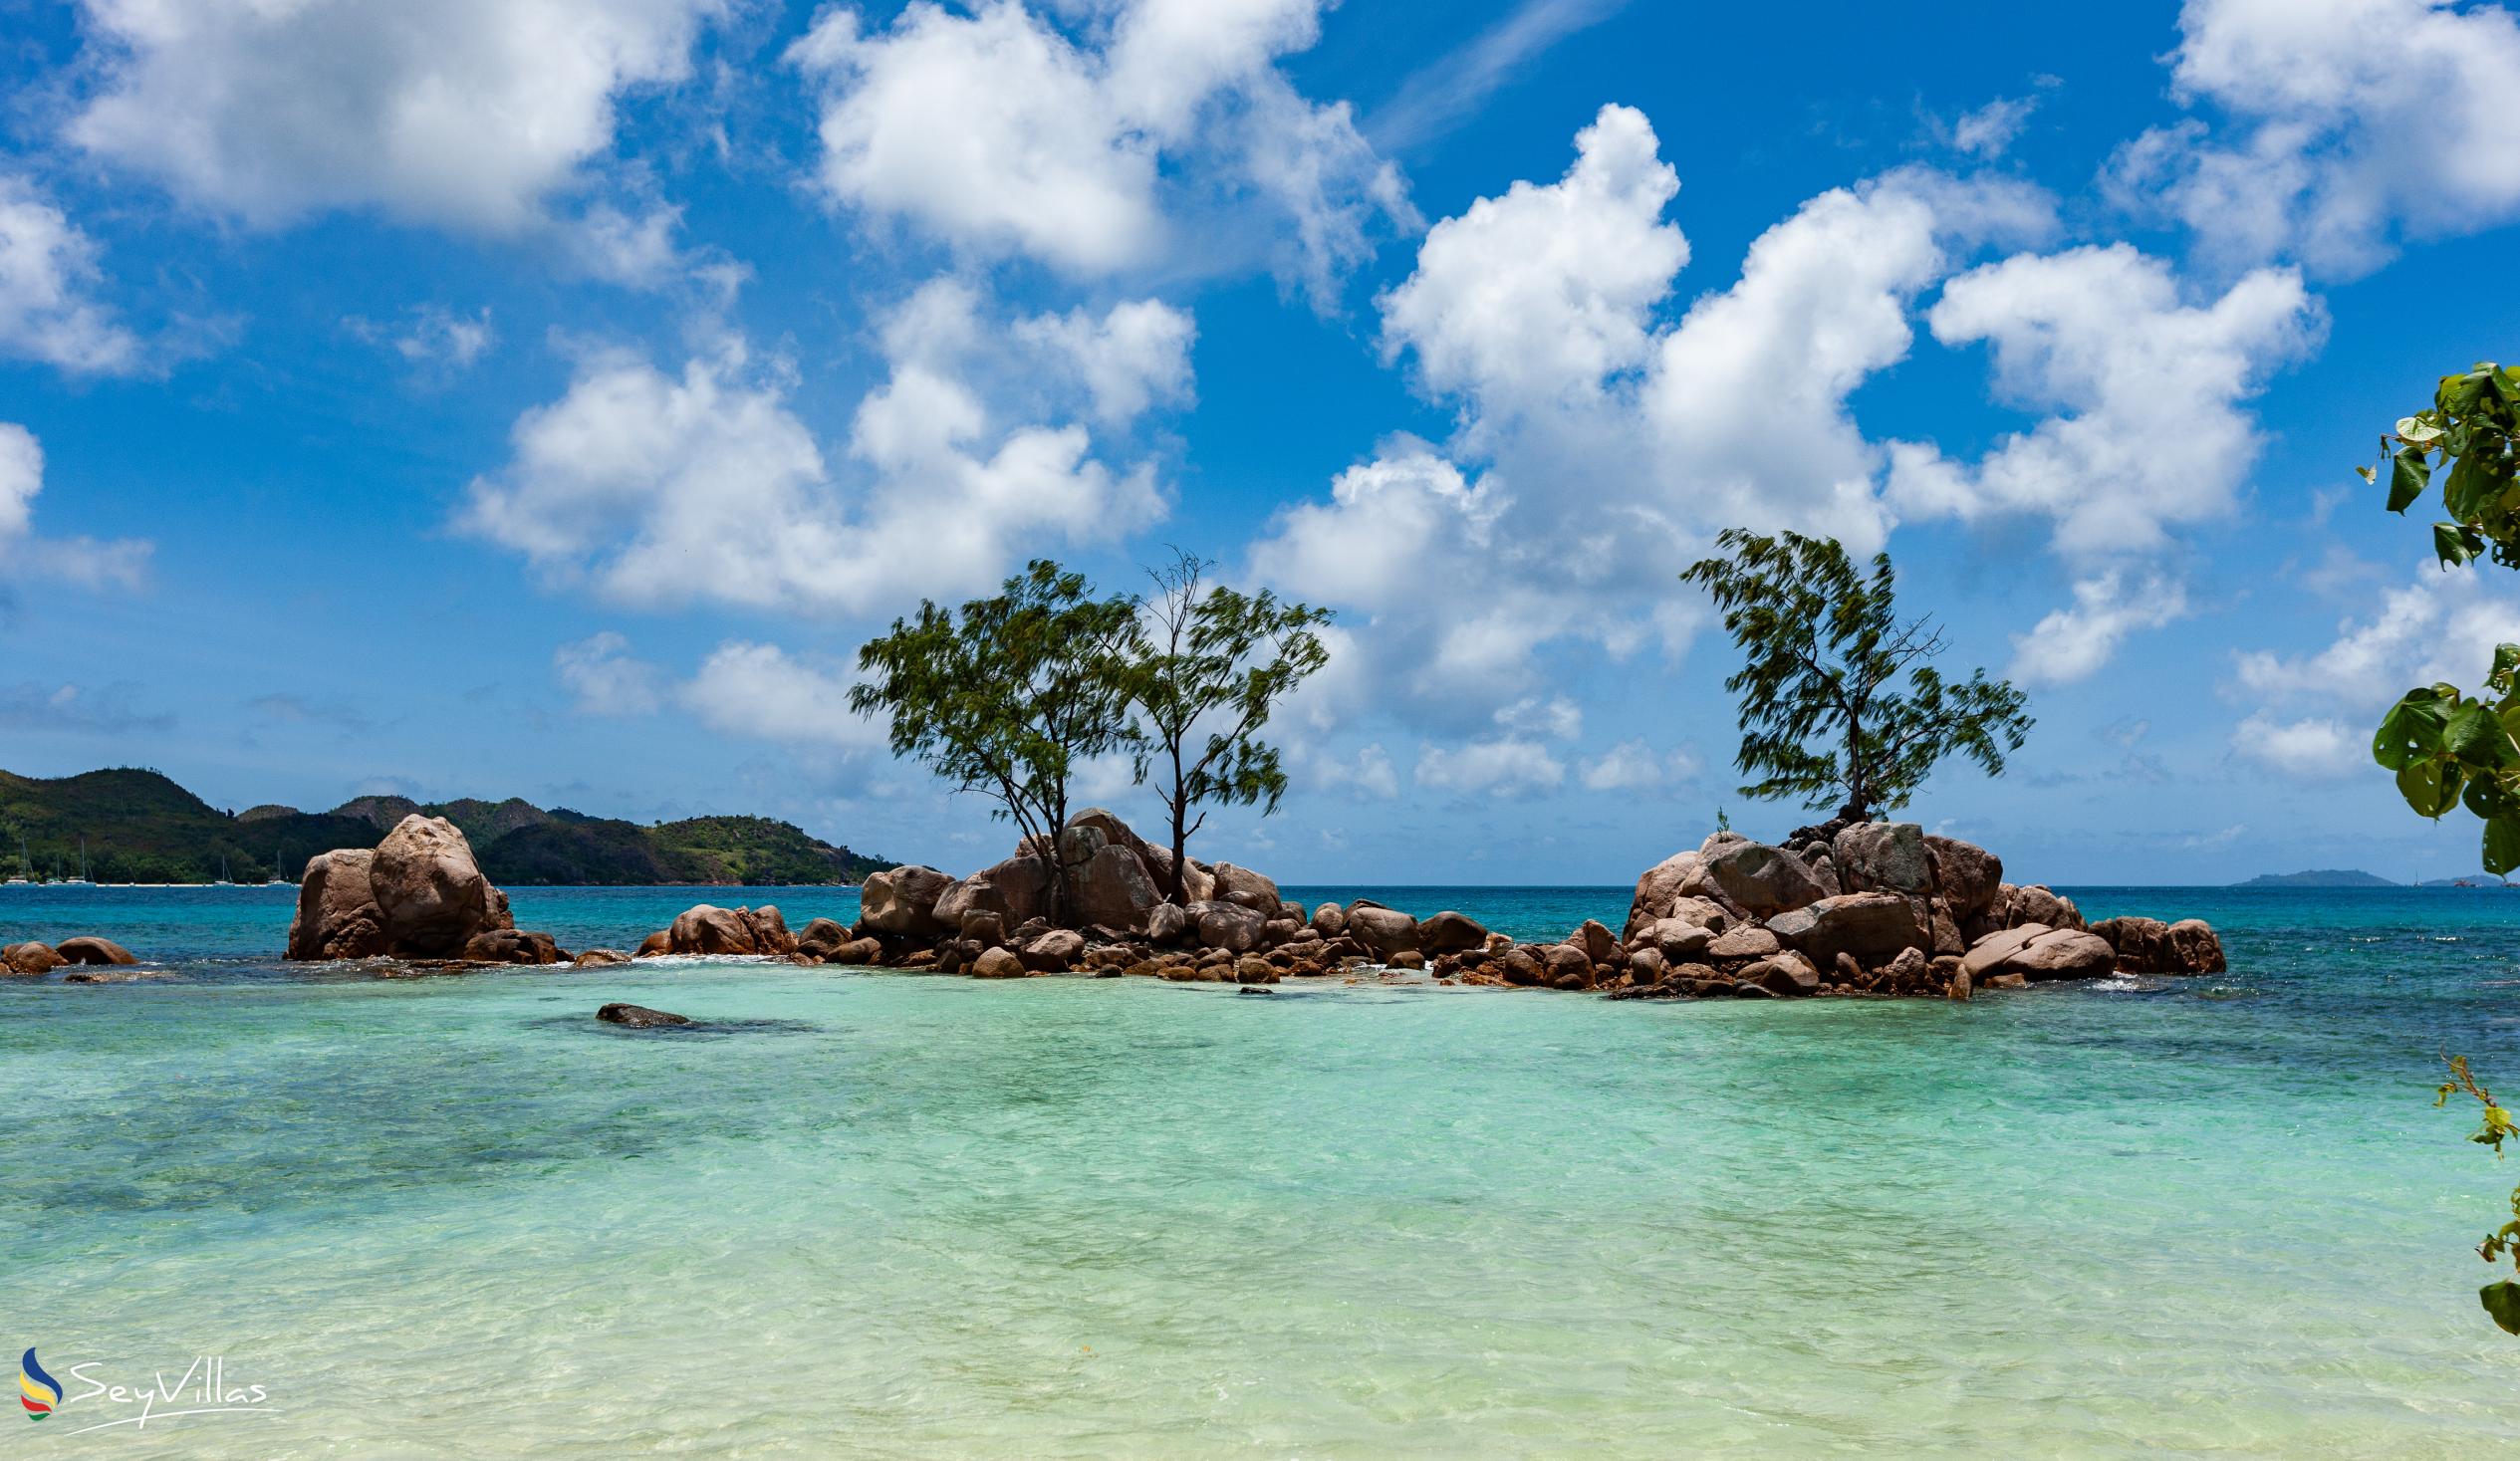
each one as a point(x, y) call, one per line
point(38, 1391)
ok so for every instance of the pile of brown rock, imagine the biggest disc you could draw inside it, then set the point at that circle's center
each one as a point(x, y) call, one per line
point(32, 958)
point(417, 895)
point(996, 924)
point(1874, 907)
point(1870, 908)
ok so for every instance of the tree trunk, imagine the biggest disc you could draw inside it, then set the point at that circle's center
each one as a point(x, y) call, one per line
point(1181, 806)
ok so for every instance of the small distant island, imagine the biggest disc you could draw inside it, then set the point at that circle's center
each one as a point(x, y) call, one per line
point(2319, 877)
point(136, 825)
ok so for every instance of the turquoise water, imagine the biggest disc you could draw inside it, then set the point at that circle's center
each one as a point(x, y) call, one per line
point(900, 1216)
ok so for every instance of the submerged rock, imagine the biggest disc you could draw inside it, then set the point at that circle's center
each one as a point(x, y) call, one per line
point(509, 947)
point(639, 1017)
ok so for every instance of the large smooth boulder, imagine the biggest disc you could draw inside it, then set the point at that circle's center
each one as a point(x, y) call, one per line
point(1989, 953)
point(2197, 948)
point(1883, 857)
point(903, 901)
point(1384, 932)
point(1763, 879)
point(1749, 942)
point(1450, 933)
point(429, 892)
point(708, 929)
point(2062, 953)
point(1965, 874)
point(1658, 888)
point(999, 964)
point(89, 949)
point(1055, 952)
point(30, 957)
point(1679, 942)
point(1329, 921)
point(1251, 890)
point(1228, 927)
point(1199, 884)
point(1167, 923)
point(1111, 887)
point(1871, 926)
point(1565, 966)
point(2142, 944)
point(1017, 890)
point(1787, 974)
point(337, 917)
point(769, 930)
point(2037, 903)
point(820, 937)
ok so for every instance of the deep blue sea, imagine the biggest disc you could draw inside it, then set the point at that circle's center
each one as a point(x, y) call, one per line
point(887, 1215)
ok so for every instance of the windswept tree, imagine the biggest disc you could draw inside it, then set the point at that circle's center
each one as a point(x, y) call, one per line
point(1007, 696)
point(2450, 749)
point(1839, 700)
point(1207, 667)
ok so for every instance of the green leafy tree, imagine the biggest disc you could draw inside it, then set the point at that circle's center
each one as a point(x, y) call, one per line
point(1008, 695)
point(2448, 748)
point(1207, 667)
point(2502, 1296)
point(1839, 700)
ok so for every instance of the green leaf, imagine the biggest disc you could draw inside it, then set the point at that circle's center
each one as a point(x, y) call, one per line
point(2502, 1301)
point(2411, 729)
point(2431, 787)
point(2502, 845)
point(2475, 736)
point(2407, 478)
point(2471, 488)
point(2455, 545)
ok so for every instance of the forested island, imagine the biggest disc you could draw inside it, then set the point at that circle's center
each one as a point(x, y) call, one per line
point(136, 825)
point(2319, 877)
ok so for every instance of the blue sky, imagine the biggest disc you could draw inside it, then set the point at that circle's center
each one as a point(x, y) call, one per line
point(544, 398)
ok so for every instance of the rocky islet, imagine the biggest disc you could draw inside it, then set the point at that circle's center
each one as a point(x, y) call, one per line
point(1862, 909)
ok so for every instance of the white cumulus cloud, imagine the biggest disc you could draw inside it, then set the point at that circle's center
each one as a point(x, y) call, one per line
point(2315, 747)
point(49, 274)
point(605, 678)
point(85, 562)
point(2149, 427)
point(762, 691)
point(466, 113)
point(705, 486)
point(1502, 765)
point(2344, 125)
point(2073, 642)
point(998, 131)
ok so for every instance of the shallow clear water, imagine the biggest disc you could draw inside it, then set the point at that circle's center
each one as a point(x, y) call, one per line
point(904, 1216)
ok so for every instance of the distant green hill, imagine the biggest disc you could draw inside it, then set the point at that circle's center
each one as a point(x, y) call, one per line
point(140, 827)
point(2322, 877)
